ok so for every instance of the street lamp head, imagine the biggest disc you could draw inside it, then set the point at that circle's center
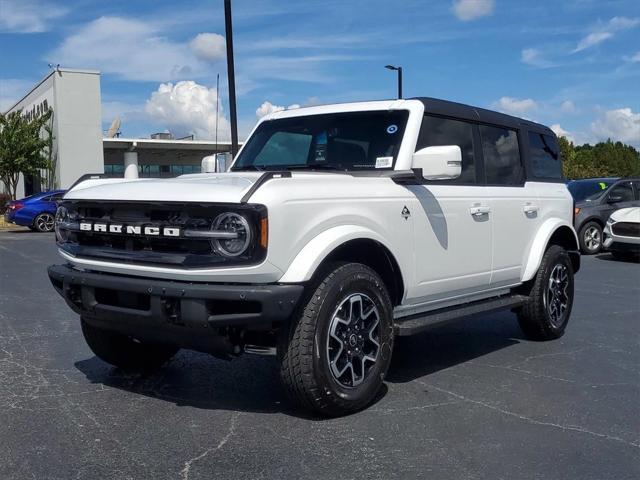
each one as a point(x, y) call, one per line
point(390, 67)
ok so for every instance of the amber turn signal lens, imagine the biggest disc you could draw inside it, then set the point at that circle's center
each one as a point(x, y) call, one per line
point(576, 211)
point(264, 232)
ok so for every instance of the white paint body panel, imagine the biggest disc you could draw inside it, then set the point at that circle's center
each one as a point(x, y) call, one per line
point(459, 243)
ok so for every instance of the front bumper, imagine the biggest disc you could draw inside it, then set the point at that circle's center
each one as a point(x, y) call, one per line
point(185, 314)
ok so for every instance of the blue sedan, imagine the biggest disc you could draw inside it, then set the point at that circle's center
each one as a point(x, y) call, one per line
point(36, 212)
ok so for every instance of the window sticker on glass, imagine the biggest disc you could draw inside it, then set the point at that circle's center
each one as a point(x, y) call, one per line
point(384, 162)
point(391, 129)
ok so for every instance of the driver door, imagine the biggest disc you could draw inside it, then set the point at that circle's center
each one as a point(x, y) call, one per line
point(452, 220)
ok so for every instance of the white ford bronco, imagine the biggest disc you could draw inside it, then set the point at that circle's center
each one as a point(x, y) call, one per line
point(335, 229)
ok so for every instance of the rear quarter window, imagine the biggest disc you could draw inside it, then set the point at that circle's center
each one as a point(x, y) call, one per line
point(545, 156)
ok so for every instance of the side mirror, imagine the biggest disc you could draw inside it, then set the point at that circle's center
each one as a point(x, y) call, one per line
point(221, 161)
point(215, 163)
point(439, 163)
point(614, 199)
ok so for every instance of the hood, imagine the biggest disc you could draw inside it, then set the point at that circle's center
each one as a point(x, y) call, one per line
point(207, 187)
point(631, 214)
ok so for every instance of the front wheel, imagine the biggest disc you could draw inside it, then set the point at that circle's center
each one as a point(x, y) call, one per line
point(337, 351)
point(591, 238)
point(546, 313)
point(44, 222)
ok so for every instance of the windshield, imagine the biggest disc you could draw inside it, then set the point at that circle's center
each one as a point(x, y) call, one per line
point(336, 141)
point(587, 190)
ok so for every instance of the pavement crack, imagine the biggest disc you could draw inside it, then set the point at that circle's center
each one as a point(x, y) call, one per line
point(184, 473)
point(572, 428)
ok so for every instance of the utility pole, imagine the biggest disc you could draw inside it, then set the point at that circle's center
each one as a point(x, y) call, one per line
point(232, 77)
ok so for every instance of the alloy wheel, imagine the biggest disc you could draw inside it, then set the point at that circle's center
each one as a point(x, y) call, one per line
point(592, 238)
point(45, 222)
point(353, 344)
point(556, 298)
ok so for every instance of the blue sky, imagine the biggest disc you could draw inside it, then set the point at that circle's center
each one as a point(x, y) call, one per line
point(574, 64)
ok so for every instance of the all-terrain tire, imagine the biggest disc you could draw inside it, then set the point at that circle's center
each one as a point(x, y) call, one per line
point(124, 352)
point(537, 318)
point(307, 344)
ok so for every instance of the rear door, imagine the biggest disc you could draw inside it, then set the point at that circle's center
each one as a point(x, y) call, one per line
point(452, 219)
point(514, 202)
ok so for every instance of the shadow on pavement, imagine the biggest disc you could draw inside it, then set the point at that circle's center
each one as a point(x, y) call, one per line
point(451, 344)
point(628, 258)
point(251, 383)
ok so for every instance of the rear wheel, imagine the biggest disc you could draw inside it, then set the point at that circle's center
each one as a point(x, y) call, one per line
point(44, 222)
point(591, 238)
point(124, 352)
point(336, 353)
point(546, 313)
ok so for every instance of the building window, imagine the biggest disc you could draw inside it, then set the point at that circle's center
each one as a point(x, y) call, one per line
point(501, 152)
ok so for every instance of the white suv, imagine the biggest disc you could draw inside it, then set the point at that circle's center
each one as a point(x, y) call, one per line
point(337, 228)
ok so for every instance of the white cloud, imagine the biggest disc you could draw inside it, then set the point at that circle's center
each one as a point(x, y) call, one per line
point(130, 49)
point(267, 107)
point(209, 46)
point(592, 39)
point(635, 58)
point(561, 132)
point(568, 107)
point(621, 124)
point(28, 16)
point(515, 106)
point(467, 10)
point(606, 31)
point(187, 108)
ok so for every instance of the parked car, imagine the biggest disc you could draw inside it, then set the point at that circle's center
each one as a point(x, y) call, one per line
point(336, 229)
point(36, 212)
point(622, 233)
point(595, 200)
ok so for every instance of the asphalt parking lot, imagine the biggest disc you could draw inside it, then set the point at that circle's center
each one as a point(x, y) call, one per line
point(472, 399)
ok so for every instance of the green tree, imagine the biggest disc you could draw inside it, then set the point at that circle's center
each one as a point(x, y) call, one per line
point(604, 159)
point(23, 146)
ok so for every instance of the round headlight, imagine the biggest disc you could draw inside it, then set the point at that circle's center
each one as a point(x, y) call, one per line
point(62, 217)
point(233, 223)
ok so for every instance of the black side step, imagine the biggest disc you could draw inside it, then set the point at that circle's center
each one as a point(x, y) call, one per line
point(423, 321)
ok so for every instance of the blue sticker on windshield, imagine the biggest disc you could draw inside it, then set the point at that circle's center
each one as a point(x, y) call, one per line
point(391, 129)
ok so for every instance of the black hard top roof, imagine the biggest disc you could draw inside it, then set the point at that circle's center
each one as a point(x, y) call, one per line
point(467, 112)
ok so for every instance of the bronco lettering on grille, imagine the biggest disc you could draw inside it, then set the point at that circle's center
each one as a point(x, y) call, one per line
point(119, 228)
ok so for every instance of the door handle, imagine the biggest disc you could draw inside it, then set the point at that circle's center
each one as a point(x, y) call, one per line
point(479, 210)
point(530, 209)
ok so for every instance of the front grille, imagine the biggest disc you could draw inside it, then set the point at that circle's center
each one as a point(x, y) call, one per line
point(160, 250)
point(626, 229)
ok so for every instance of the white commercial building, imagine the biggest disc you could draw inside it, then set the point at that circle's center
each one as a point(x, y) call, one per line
point(79, 147)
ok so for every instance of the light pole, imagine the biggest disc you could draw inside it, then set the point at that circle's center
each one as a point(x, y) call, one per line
point(399, 70)
point(228, 28)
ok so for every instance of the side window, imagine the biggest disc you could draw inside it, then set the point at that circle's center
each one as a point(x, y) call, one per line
point(437, 131)
point(637, 185)
point(623, 192)
point(501, 153)
point(545, 156)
